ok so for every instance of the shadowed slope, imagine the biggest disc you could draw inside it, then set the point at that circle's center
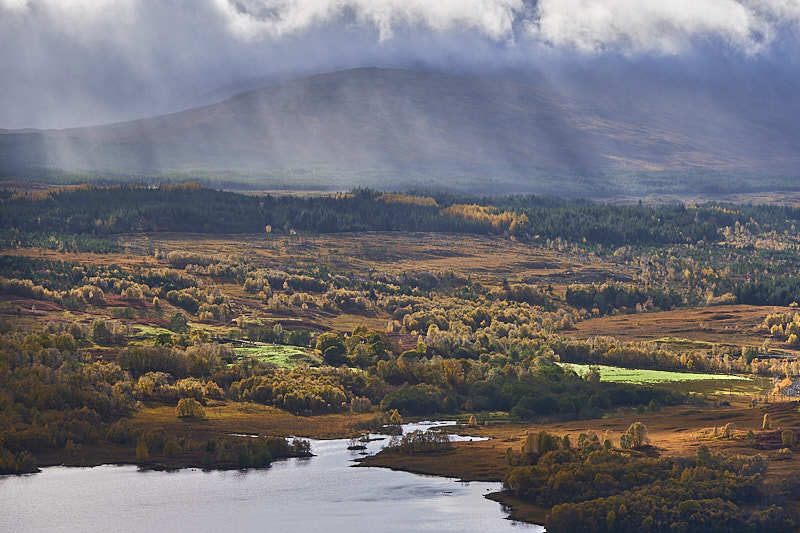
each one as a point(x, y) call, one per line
point(391, 119)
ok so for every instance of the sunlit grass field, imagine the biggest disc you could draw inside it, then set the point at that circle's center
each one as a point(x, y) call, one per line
point(643, 376)
point(281, 355)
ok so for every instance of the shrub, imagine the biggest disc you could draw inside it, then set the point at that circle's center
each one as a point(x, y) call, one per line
point(190, 408)
point(420, 441)
point(142, 454)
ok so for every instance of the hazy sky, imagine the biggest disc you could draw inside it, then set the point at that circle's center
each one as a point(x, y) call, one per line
point(78, 62)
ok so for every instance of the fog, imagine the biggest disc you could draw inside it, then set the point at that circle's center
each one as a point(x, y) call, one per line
point(68, 63)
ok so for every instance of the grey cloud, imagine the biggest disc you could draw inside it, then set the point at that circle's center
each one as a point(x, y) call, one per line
point(493, 18)
point(92, 61)
point(629, 26)
point(635, 26)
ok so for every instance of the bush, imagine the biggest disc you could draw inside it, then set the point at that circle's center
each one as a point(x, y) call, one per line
point(332, 347)
point(414, 400)
point(178, 323)
point(190, 408)
point(100, 333)
point(638, 433)
point(142, 454)
point(172, 448)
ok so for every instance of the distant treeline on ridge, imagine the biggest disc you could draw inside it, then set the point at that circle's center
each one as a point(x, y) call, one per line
point(91, 210)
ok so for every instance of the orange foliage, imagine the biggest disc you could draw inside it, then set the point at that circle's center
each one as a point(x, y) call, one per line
point(397, 198)
point(38, 196)
point(498, 220)
point(187, 186)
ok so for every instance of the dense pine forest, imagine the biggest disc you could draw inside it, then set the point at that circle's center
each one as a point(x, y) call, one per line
point(94, 210)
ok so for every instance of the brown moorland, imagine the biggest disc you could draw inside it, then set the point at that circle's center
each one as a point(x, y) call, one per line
point(731, 325)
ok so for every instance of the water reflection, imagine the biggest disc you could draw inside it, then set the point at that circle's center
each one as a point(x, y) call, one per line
point(323, 493)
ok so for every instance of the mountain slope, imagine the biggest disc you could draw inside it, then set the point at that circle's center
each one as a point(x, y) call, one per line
point(383, 118)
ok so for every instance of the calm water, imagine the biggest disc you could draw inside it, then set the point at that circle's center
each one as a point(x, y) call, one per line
point(323, 493)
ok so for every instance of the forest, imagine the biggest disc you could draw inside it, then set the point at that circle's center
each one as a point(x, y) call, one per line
point(597, 486)
point(95, 210)
point(600, 183)
point(151, 325)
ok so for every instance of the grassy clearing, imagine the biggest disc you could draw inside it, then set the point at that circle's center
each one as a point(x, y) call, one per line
point(642, 376)
point(685, 329)
point(681, 343)
point(470, 255)
point(482, 416)
point(281, 355)
point(149, 331)
point(243, 417)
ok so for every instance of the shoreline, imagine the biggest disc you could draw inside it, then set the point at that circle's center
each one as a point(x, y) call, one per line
point(156, 466)
point(467, 461)
point(518, 509)
point(453, 464)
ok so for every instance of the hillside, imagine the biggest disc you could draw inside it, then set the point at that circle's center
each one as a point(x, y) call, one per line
point(398, 120)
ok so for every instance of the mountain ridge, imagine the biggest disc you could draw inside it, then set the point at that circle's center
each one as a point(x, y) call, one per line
point(392, 118)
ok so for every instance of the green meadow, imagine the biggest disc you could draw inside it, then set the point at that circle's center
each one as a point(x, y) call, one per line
point(281, 355)
point(643, 376)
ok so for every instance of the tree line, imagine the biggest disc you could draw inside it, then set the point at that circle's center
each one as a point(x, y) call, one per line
point(95, 211)
point(593, 485)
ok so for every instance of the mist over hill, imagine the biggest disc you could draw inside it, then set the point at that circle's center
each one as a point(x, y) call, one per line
point(375, 126)
point(568, 97)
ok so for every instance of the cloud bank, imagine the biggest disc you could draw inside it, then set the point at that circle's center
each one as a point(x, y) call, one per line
point(626, 26)
point(77, 62)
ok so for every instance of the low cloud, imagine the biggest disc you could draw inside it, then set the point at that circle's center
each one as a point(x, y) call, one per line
point(595, 26)
point(251, 18)
point(648, 26)
point(92, 61)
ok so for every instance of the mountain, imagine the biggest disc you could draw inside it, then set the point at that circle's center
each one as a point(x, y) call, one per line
point(376, 118)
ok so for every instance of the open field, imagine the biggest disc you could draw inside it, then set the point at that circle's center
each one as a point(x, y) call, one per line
point(674, 431)
point(254, 419)
point(777, 197)
point(281, 355)
point(787, 197)
point(730, 325)
point(485, 259)
point(644, 376)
